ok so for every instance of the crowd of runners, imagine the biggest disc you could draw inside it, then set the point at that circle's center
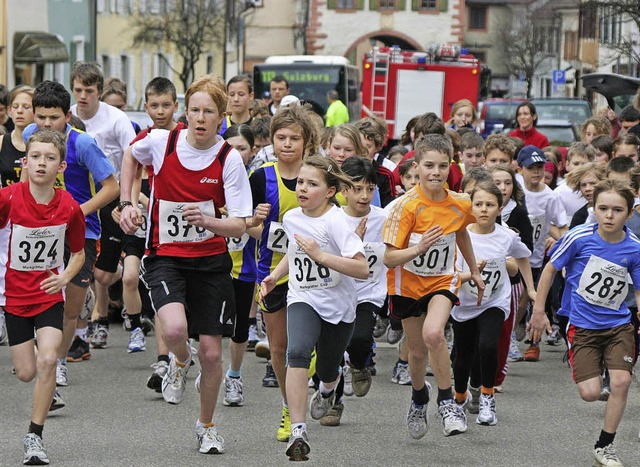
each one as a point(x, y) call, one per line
point(303, 239)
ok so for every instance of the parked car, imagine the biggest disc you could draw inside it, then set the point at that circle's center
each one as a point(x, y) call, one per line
point(559, 132)
point(565, 108)
point(497, 115)
point(619, 90)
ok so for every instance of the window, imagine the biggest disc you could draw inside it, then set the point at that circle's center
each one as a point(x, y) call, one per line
point(345, 4)
point(570, 45)
point(387, 4)
point(610, 31)
point(210, 63)
point(481, 56)
point(428, 4)
point(588, 21)
point(163, 66)
point(124, 68)
point(477, 17)
point(106, 65)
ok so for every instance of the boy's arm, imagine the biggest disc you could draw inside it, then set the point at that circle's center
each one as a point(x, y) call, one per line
point(130, 217)
point(539, 321)
point(394, 256)
point(55, 282)
point(464, 244)
point(107, 193)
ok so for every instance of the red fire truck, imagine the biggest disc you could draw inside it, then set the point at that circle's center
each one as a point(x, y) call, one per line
point(398, 85)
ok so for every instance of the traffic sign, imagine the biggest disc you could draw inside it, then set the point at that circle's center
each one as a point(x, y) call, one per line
point(558, 77)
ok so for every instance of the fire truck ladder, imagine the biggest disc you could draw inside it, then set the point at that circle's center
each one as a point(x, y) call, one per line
point(379, 89)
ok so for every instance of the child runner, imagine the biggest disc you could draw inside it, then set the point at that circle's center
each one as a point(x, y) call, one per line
point(472, 147)
point(323, 256)
point(598, 259)
point(544, 209)
point(421, 233)
point(345, 142)
point(273, 188)
point(367, 221)
point(476, 327)
point(463, 115)
point(42, 218)
point(244, 272)
point(195, 173)
point(514, 215)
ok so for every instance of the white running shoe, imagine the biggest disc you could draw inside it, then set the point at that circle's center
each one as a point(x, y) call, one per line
point(233, 392)
point(607, 456)
point(393, 337)
point(4, 336)
point(57, 402)
point(174, 382)
point(61, 373)
point(417, 418)
point(155, 380)
point(319, 406)
point(99, 339)
point(209, 441)
point(401, 374)
point(34, 453)
point(348, 381)
point(487, 414)
point(137, 342)
point(454, 420)
point(262, 349)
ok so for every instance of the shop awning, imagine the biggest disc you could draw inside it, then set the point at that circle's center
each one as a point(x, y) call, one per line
point(38, 47)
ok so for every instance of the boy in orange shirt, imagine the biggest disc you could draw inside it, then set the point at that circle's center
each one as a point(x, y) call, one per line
point(421, 234)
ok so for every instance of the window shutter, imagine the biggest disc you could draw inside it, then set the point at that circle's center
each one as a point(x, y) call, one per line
point(331, 4)
point(373, 5)
point(415, 5)
point(444, 6)
point(360, 5)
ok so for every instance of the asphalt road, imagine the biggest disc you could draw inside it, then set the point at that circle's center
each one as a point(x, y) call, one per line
point(112, 419)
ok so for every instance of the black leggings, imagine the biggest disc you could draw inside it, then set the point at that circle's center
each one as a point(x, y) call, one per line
point(478, 336)
point(361, 341)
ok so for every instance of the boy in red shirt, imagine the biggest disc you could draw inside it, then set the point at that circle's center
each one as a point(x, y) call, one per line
point(42, 218)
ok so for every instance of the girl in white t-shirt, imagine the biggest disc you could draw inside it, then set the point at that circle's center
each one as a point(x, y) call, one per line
point(477, 328)
point(323, 258)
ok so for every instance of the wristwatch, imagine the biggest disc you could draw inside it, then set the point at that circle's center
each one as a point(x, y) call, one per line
point(123, 204)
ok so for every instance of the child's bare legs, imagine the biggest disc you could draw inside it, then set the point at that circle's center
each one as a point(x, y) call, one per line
point(42, 367)
point(438, 312)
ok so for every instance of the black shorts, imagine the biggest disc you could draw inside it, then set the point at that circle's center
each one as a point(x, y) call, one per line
point(20, 329)
point(244, 293)
point(85, 276)
point(405, 307)
point(203, 285)
point(276, 299)
point(133, 246)
point(110, 239)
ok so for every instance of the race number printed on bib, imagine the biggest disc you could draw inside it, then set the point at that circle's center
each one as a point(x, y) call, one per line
point(437, 261)
point(237, 244)
point(494, 276)
point(174, 229)
point(603, 283)
point(306, 274)
point(537, 222)
point(142, 230)
point(374, 251)
point(277, 240)
point(37, 248)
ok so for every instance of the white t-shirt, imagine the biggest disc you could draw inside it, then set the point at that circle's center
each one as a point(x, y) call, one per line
point(112, 130)
point(374, 289)
point(331, 294)
point(494, 248)
point(237, 191)
point(544, 209)
point(571, 200)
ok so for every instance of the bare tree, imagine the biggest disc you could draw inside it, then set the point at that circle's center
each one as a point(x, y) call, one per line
point(524, 48)
point(191, 26)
